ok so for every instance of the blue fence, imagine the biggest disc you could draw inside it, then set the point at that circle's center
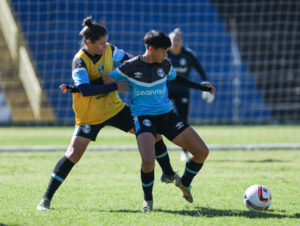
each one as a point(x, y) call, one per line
point(51, 29)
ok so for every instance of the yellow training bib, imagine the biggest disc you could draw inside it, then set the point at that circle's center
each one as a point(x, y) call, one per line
point(94, 110)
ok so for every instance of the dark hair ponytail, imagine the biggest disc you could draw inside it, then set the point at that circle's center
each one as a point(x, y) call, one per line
point(92, 30)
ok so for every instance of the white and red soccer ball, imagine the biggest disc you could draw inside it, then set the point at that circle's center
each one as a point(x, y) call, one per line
point(257, 197)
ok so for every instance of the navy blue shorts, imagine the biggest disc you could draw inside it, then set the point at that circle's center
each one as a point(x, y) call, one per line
point(123, 121)
point(169, 124)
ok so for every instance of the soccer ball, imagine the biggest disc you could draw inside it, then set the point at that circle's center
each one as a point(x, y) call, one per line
point(257, 197)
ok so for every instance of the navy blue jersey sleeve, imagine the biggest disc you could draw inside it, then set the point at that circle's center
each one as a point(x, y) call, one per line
point(195, 63)
point(189, 84)
point(93, 90)
point(78, 63)
point(79, 72)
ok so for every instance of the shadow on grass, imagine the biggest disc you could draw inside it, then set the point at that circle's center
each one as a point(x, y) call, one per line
point(249, 161)
point(209, 212)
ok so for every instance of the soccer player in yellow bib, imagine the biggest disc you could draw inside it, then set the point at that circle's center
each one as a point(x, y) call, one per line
point(97, 104)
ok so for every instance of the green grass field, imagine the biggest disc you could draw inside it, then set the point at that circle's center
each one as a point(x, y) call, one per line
point(104, 188)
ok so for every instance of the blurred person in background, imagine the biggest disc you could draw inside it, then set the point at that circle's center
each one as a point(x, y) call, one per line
point(183, 59)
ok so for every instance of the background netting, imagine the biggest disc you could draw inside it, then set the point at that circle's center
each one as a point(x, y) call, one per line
point(249, 49)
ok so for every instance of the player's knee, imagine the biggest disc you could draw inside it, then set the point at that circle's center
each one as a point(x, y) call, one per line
point(202, 153)
point(205, 152)
point(73, 155)
point(148, 164)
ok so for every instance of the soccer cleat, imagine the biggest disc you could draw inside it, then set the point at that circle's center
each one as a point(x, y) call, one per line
point(186, 191)
point(147, 206)
point(44, 204)
point(169, 178)
point(184, 156)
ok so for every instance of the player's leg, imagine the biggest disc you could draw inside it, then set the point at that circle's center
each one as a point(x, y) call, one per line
point(180, 133)
point(124, 121)
point(192, 142)
point(79, 142)
point(182, 105)
point(145, 135)
point(146, 142)
point(162, 157)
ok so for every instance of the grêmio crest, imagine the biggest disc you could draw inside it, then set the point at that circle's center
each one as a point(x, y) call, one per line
point(101, 69)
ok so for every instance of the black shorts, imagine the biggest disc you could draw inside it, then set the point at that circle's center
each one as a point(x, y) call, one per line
point(123, 121)
point(170, 124)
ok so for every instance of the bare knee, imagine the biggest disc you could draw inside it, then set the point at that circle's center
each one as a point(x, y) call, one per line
point(205, 152)
point(148, 165)
point(201, 154)
point(73, 155)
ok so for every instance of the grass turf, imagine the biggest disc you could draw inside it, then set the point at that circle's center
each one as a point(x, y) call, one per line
point(104, 188)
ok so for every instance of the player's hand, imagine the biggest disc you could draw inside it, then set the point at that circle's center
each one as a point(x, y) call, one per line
point(63, 88)
point(123, 87)
point(212, 89)
point(208, 96)
point(68, 88)
point(207, 84)
point(108, 79)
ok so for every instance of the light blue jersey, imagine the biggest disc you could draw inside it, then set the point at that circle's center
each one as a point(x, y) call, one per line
point(149, 93)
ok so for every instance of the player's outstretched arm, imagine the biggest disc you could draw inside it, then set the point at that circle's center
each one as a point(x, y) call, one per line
point(187, 83)
point(98, 86)
point(94, 90)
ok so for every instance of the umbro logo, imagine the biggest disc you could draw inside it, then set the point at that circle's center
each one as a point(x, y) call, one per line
point(137, 74)
point(179, 125)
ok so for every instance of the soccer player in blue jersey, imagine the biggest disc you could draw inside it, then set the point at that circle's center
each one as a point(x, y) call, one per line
point(97, 105)
point(153, 112)
point(183, 59)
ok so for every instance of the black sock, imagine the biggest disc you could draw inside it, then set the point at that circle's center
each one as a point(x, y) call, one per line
point(191, 169)
point(60, 172)
point(162, 156)
point(147, 183)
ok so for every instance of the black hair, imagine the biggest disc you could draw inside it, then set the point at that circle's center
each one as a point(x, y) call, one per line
point(157, 39)
point(92, 30)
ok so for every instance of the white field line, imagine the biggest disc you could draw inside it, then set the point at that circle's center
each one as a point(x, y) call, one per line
point(134, 147)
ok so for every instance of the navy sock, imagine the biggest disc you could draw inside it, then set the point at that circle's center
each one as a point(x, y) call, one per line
point(60, 172)
point(162, 156)
point(191, 170)
point(147, 183)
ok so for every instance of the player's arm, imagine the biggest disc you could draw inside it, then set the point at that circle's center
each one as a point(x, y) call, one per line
point(195, 64)
point(208, 97)
point(82, 82)
point(74, 89)
point(187, 83)
point(118, 76)
point(119, 55)
point(94, 90)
